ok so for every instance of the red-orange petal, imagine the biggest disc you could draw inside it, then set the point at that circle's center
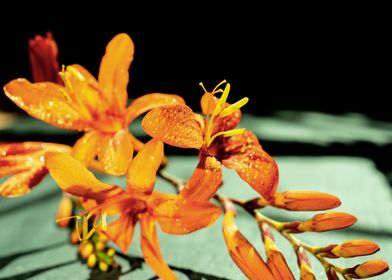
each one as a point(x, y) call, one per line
point(43, 53)
point(175, 216)
point(116, 152)
point(175, 125)
point(142, 171)
point(45, 101)
point(113, 73)
point(22, 183)
point(150, 101)
point(205, 180)
point(242, 252)
point(151, 250)
point(245, 155)
point(120, 231)
point(74, 178)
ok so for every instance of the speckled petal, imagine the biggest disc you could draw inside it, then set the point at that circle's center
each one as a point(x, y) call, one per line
point(175, 125)
point(45, 101)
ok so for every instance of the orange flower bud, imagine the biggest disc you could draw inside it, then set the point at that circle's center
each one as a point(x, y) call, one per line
point(100, 245)
point(64, 210)
point(354, 248)
point(327, 221)
point(371, 268)
point(86, 249)
point(74, 237)
point(276, 261)
point(305, 201)
point(306, 272)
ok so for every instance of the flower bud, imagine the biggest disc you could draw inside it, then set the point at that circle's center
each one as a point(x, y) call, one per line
point(92, 261)
point(103, 266)
point(85, 249)
point(305, 201)
point(74, 239)
point(306, 272)
point(327, 221)
point(64, 210)
point(111, 252)
point(354, 248)
point(371, 268)
point(100, 245)
point(276, 261)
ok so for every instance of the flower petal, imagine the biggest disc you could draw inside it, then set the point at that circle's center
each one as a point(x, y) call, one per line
point(43, 59)
point(120, 231)
point(74, 178)
point(242, 252)
point(85, 149)
point(150, 101)
point(24, 163)
point(45, 101)
point(142, 170)
point(150, 247)
point(116, 152)
point(176, 216)
point(175, 125)
point(113, 73)
point(256, 167)
point(205, 180)
point(22, 183)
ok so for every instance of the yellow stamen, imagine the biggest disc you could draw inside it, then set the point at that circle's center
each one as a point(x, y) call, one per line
point(227, 133)
point(218, 85)
point(230, 109)
point(222, 100)
point(202, 85)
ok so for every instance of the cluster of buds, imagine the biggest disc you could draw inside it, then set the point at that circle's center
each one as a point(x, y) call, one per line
point(76, 100)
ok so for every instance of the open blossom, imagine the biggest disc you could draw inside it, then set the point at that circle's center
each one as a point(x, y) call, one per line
point(138, 203)
point(98, 107)
point(217, 140)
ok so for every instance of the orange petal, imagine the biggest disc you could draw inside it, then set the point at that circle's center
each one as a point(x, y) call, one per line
point(176, 216)
point(85, 149)
point(74, 178)
point(328, 221)
point(150, 247)
point(175, 125)
point(305, 201)
point(354, 248)
point(150, 101)
point(43, 59)
point(244, 154)
point(142, 171)
point(242, 252)
point(45, 101)
point(22, 183)
point(24, 163)
point(121, 230)
point(113, 74)
point(116, 153)
point(205, 180)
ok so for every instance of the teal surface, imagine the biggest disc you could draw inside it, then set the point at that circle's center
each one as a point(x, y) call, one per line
point(32, 247)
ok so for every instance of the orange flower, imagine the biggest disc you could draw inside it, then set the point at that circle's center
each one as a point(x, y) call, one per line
point(43, 54)
point(217, 140)
point(138, 203)
point(96, 107)
point(23, 164)
point(242, 252)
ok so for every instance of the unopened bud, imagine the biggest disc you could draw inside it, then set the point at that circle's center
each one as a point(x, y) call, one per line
point(276, 261)
point(305, 201)
point(327, 221)
point(74, 239)
point(92, 260)
point(111, 252)
point(306, 272)
point(86, 249)
point(100, 245)
point(103, 266)
point(354, 248)
point(64, 210)
point(371, 268)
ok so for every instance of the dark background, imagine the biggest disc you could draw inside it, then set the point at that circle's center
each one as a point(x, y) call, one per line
point(318, 67)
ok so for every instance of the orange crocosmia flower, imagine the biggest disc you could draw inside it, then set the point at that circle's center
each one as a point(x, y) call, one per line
point(138, 203)
point(96, 107)
point(242, 252)
point(218, 142)
point(22, 164)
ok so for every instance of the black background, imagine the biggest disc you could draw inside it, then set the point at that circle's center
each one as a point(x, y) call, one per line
point(320, 67)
